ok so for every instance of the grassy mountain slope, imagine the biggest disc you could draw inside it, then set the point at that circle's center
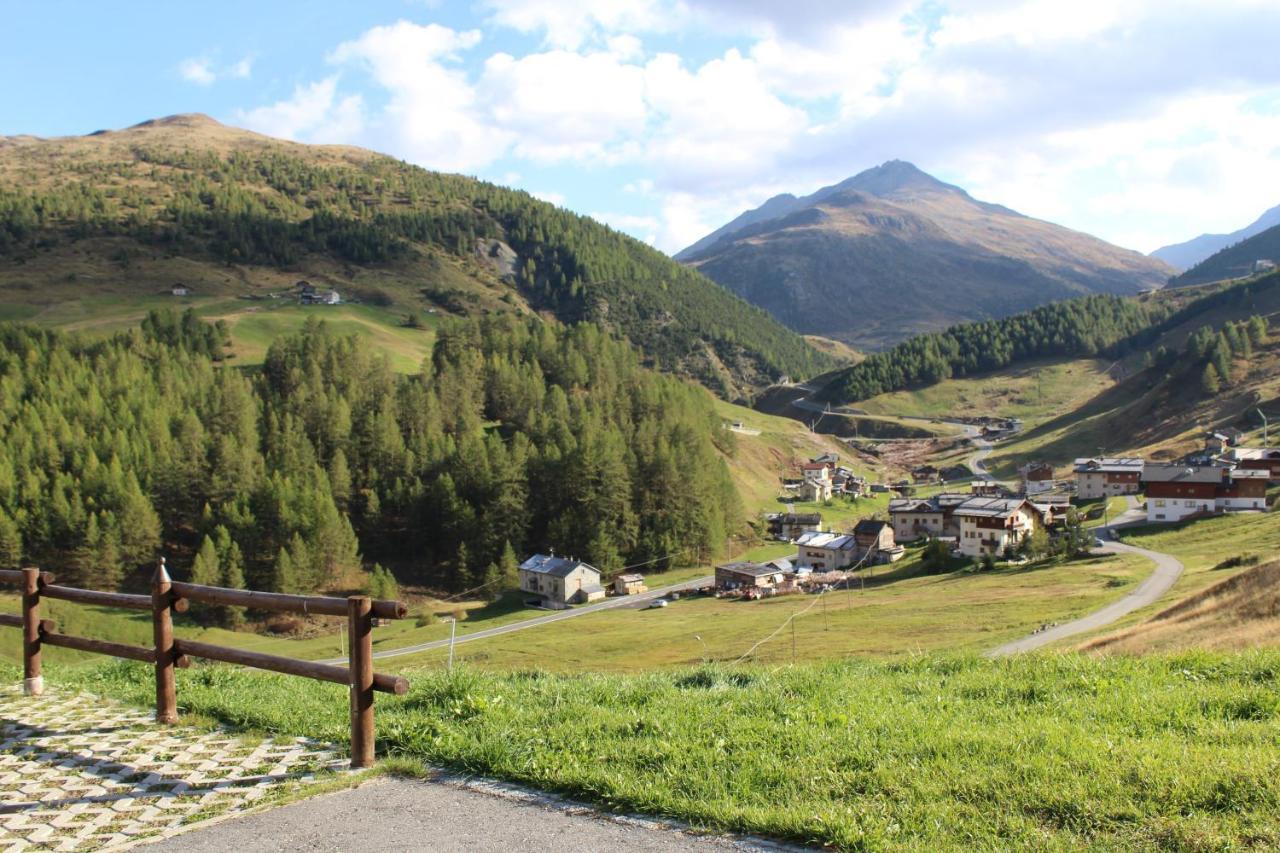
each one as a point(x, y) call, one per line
point(892, 252)
point(1241, 612)
point(231, 214)
point(1235, 261)
point(1162, 410)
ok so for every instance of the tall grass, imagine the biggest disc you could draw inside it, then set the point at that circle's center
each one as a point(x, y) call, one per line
point(925, 753)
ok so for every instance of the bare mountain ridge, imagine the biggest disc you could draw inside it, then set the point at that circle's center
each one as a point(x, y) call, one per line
point(893, 251)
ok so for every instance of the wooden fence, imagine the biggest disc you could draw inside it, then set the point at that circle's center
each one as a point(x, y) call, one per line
point(168, 652)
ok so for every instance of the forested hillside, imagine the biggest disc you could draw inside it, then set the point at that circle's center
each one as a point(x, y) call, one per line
point(1078, 327)
point(189, 188)
point(517, 435)
point(1235, 261)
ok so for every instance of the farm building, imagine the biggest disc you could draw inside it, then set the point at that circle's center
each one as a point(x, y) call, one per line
point(747, 576)
point(629, 585)
point(558, 582)
point(826, 552)
point(790, 525)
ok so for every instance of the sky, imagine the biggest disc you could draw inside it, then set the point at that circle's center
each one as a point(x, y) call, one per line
point(1142, 122)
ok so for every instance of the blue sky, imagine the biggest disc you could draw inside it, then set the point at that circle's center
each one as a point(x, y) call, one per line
point(1142, 122)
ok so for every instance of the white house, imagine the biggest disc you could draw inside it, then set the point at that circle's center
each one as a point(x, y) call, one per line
point(991, 525)
point(1098, 478)
point(817, 485)
point(558, 582)
point(826, 552)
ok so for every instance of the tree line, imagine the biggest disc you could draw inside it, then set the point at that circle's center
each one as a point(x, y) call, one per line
point(1086, 326)
point(515, 436)
point(275, 208)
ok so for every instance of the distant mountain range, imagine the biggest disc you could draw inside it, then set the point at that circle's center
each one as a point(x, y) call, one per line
point(893, 251)
point(1238, 260)
point(1186, 255)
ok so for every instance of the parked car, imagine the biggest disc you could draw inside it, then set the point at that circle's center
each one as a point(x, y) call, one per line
point(1097, 542)
point(658, 603)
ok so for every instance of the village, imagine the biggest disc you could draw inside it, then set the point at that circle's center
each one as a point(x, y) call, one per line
point(985, 522)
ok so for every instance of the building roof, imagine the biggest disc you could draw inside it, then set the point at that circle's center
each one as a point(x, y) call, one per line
point(830, 541)
point(901, 505)
point(990, 507)
point(782, 564)
point(559, 567)
point(592, 587)
point(755, 570)
point(630, 578)
point(814, 466)
point(869, 527)
point(1109, 465)
point(797, 517)
point(1184, 473)
point(1250, 474)
point(1241, 454)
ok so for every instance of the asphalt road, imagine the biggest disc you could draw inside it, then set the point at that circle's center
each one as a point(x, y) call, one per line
point(1167, 571)
point(404, 814)
point(629, 602)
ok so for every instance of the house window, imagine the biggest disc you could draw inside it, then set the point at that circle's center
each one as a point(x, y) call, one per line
point(1189, 503)
point(1160, 503)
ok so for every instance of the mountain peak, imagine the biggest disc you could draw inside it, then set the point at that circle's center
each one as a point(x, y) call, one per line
point(192, 120)
point(892, 177)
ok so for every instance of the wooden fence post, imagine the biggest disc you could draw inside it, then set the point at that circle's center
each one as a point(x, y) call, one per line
point(32, 678)
point(360, 632)
point(162, 631)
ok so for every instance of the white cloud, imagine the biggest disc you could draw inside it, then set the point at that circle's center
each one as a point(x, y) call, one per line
point(572, 23)
point(562, 105)
point(557, 199)
point(432, 116)
point(314, 113)
point(1117, 118)
point(201, 70)
point(197, 71)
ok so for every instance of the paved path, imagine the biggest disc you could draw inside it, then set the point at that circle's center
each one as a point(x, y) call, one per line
point(402, 814)
point(1168, 570)
point(631, 602)
point(80, 773)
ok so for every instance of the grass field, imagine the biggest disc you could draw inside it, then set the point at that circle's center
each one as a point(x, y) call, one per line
point(1058, 752)
point(896, 613)
point(253, 324)
point(327, 638)
point(1034, 393)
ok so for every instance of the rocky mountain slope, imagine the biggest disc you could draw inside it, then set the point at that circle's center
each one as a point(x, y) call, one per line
point(1184, 256)
point(893, 251)
point(124, 215)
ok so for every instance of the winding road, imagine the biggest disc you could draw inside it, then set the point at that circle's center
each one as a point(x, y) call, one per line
point(1167, 571)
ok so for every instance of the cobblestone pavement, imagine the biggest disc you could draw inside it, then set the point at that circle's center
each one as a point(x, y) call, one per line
point(81, 773)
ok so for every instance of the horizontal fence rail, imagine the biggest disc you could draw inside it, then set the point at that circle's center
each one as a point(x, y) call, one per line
point(168, 652)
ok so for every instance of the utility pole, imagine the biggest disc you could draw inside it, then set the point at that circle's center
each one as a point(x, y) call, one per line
point(453, 634)
point(793, 641)
point(826, 624)
point(1265, 443)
